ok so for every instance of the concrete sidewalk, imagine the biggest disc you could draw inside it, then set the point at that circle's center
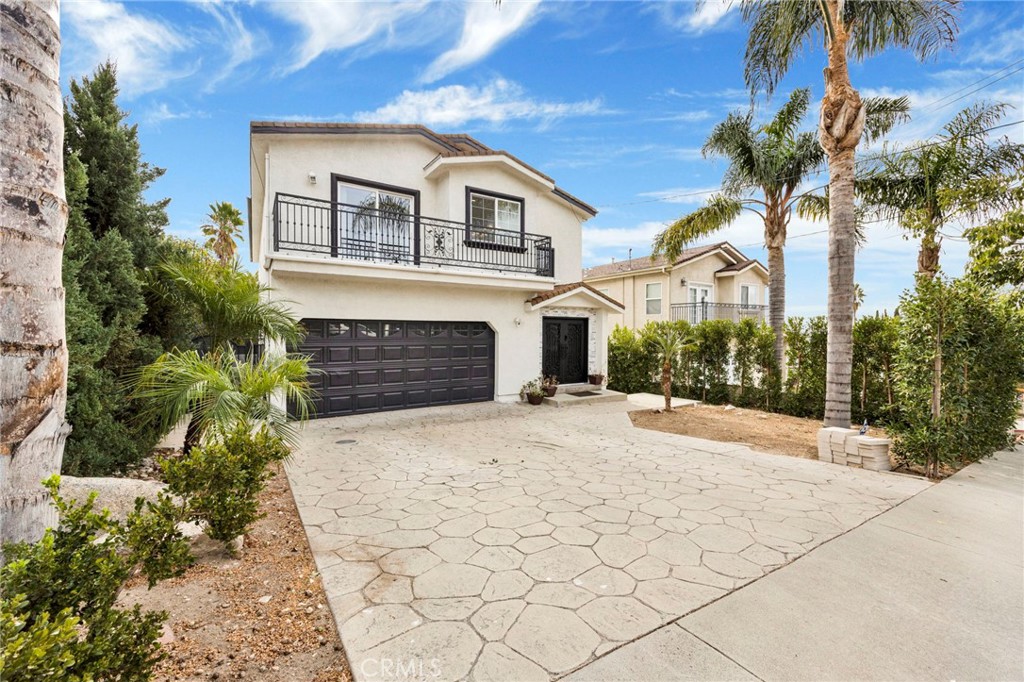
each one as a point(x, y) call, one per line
point(932, 589)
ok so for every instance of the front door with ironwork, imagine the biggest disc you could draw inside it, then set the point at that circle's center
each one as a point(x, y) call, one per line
point(564, 349)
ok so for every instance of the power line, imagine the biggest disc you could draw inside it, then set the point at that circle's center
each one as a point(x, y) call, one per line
point(969, 85)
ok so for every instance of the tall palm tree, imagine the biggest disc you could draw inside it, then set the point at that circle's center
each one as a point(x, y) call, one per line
point(767, 165)
point(858, 298)
point(223, 392)
point(780, 31)
point(223, 229)
point(34, 361)
point(922, 187)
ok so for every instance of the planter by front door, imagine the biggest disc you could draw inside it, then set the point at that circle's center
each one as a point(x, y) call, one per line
point(564, 350)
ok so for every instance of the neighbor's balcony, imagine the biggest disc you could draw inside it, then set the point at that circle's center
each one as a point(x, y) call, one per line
point(699, 312)
point(332, 230)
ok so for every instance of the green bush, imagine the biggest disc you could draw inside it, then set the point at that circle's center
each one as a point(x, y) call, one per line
point(710, 360)
point(960, 355)
point(631, 365)
point(70, 580)
point(758, 381)
point(35, 648)
point(806, 348)
point(874, 354)
point(221, 480)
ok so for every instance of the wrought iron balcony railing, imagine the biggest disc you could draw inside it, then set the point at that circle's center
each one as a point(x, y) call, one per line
point(386, 235)
point(699, 312)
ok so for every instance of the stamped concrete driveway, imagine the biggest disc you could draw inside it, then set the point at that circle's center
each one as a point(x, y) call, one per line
point(503, 542)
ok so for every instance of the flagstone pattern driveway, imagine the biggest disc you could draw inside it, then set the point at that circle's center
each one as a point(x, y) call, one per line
point(502, 542)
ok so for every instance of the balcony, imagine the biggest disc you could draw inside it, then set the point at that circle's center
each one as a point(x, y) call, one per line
point(699, 312)
point(391, 236)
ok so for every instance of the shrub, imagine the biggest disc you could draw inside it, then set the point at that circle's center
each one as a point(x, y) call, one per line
point(806, 348)
point(70, 580)
point(874, 353)
point(222, 479)
point(711, 359)
point(960, 355)
point(631, 366)
point(758, 381)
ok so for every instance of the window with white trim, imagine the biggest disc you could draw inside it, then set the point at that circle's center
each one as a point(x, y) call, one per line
point(653, 296)
point(489, 213)
point(746, 295)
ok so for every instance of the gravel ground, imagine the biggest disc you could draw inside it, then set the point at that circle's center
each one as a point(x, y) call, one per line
point(262, 616)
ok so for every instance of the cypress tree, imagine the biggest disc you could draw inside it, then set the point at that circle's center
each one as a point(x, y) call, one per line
point(113, 236)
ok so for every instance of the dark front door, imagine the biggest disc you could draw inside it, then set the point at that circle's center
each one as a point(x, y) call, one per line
point(376, 365)
point(564, 349)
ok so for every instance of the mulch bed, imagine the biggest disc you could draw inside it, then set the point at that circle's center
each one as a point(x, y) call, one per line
point(262, 616)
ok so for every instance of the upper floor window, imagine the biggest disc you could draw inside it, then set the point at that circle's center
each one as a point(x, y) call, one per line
point(653, 293)
point(746, 295)
point(491, 214)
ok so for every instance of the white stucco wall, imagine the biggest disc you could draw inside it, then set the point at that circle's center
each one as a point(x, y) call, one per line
point(400, 160)
point(517, 349)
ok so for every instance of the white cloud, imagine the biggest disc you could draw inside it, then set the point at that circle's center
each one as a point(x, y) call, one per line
point(693, 17)
point(454, 105)
point(163, 112)
point(237, 40)
point(331, 26)
point(485, 27)
point(682, 195)
point(143, 47)
point(1002, 48)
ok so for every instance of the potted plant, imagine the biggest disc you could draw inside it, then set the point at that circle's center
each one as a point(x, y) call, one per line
point(550, 385)
point(596, 379)
point(532, 392)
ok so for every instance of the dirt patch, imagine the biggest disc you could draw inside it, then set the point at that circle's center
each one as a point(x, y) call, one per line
point(263, 616)
point(779, 434)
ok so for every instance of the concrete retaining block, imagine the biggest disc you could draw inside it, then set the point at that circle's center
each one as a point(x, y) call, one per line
point(848, 448)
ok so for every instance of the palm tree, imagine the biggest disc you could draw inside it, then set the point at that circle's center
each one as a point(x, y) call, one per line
point(230, 303)
point(922, 187)
point(767, 165)
point(780, 31)
point(858, 298)
point(34, 361)
point(223, 229)
point(668, 342)
point(223, 392)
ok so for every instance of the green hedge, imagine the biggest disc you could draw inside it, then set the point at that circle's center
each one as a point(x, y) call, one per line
point(727, 362)
point(960, 354)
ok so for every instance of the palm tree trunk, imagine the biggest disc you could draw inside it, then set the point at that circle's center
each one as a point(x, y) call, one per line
point(34, 360)
point(666, 384)
point(840, 128)
point(928, 256)
point(777, 301)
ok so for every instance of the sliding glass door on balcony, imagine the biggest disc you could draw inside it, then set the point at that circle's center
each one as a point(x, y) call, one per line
point(373, 224)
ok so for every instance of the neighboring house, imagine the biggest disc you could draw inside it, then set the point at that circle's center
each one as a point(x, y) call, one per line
point(711, 282)
point(428, 269)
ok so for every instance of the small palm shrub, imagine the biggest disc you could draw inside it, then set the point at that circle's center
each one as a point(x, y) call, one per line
point(221, 480)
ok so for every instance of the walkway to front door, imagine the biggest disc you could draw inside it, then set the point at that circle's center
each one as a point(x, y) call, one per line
point(564, 350)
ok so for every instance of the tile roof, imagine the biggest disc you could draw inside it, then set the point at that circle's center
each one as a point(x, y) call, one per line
point(736, 267)
point(646, 262)
point(453, 144)
point(566, 288)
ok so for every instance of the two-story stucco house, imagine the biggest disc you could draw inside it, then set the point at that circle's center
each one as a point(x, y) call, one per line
point(710, 282)
point(428, 269)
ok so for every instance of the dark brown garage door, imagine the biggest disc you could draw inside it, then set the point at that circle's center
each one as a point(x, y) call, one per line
point(375, 365)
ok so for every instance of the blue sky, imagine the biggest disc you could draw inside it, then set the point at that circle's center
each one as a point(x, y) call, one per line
point(612, 99)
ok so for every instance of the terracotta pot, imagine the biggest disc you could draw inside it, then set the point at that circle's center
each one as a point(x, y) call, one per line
point(534, 399)
point(550, 390)
point(596, 379)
